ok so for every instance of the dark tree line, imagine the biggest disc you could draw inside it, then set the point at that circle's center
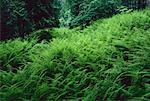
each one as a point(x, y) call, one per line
point(19, 17)
point(135, 4)
point(142, 4)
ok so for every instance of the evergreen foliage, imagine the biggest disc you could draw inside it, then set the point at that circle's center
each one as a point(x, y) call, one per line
point(81, 12)
point(20, 17)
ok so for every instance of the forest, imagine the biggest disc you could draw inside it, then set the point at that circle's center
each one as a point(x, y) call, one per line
point(75, 50)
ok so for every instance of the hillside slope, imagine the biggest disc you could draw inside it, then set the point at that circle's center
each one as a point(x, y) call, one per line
point(109, 60)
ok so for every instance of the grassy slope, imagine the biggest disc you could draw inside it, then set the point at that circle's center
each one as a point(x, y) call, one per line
point(109, 60)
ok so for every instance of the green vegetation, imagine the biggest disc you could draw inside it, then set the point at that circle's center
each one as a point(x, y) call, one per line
point(21, 17)
point(81, 12)
point(109, 60)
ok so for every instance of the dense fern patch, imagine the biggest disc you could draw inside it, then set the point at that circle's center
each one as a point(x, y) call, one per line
point(109, 60)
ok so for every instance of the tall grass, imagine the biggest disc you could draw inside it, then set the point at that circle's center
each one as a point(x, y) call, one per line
point(109, 60)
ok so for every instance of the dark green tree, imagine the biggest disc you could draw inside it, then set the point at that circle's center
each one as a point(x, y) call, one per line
point(19, 17)
point(81, 12)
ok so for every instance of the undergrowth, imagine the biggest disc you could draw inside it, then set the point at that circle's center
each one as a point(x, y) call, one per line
point(109, 60)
